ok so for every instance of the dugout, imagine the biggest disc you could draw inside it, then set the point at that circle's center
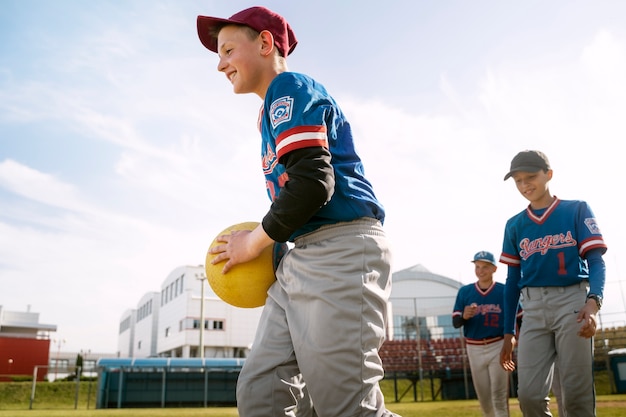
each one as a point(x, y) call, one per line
point(167, 382)
point(617, 360)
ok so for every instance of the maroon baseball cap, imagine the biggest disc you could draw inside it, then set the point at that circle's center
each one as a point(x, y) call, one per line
point(259, 19)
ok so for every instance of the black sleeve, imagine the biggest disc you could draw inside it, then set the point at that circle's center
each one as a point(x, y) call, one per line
point(458, 321)
point(310, 185)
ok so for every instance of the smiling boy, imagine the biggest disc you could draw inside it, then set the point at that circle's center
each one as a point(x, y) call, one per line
point(325, 317)
point(478, 309)
point(553, 250)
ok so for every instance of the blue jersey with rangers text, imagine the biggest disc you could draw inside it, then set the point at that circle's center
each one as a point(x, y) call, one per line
point(488, 322)
point(298, 113)
point(549, 246)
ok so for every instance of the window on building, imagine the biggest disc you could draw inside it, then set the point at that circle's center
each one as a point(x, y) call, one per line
point(89, 365)
point(189, 323)
point(59, 364)
point(139, 345)
point(125, 325)
point(167, 332)
point(217, 324)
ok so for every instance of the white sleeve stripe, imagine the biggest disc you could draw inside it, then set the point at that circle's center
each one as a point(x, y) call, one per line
point(300, 137)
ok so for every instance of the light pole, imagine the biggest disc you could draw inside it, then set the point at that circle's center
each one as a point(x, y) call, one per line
point(202, 278)
point(84, 355)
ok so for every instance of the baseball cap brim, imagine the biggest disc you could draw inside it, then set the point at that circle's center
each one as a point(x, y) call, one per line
point(522, 169)
point(206, 27)
point(489, 261)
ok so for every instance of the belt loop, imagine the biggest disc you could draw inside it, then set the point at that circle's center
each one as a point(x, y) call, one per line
point(526, 292)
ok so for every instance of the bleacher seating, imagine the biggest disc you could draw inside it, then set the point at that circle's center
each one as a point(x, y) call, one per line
point(434, 354)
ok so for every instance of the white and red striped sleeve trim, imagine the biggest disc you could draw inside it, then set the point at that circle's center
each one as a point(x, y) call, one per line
point(301, 137)
point(510, 260)
point(592, 243)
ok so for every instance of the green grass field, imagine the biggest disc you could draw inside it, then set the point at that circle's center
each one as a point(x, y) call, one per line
point(59, 399)
point(608, 406)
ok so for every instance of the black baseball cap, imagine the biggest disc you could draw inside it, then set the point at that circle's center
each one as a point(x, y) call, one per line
point(258, 18)
point(528, 161)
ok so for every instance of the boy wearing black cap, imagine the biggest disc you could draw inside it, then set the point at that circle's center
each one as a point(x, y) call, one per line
point(478, 309)
point(553, 250)
point(325, 316)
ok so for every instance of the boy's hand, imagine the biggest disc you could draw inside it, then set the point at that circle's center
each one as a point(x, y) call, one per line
point(469, 311)
point(587, 316)
point(240, 246)
point(506, 354)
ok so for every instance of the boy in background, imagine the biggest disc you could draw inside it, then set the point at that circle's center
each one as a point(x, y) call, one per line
point(478, 308)
point(553, 250)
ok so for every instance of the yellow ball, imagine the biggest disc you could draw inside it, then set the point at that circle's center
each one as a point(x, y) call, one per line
point(245, 285)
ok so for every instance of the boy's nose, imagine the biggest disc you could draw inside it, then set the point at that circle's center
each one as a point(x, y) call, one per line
point(221, 65)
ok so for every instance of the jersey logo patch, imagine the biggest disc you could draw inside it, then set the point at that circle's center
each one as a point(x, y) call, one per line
point(280, 110)
point(592, 225)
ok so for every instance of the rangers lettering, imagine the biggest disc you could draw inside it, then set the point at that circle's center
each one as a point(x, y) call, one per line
point(268, 161)
point(543, 245)
point(488, 308)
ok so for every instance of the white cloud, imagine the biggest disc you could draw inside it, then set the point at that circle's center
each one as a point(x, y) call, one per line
point(37, 186)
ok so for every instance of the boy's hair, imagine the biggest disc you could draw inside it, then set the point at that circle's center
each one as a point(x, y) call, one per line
point(251, 33)
point(257, 18)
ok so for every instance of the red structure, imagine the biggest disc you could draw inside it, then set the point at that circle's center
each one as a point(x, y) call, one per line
point(24, 344)
point(19, 356)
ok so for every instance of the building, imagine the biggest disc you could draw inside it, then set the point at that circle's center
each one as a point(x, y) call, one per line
point(167, 323)
point(421, 341)
point(24, 344)
point(422, 304)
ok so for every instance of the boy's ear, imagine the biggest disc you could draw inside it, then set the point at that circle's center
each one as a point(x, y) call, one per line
point(267, 42)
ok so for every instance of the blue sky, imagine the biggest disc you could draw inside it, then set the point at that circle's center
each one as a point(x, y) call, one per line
point(123, 151)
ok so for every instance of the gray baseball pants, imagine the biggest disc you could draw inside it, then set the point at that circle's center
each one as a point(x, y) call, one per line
point(549, 335)
point(490, 380)
point(321, 328)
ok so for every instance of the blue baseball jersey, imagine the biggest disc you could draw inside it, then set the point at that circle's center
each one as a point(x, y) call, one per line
point(488, 321)
point(298, 113)
point(549, 247)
